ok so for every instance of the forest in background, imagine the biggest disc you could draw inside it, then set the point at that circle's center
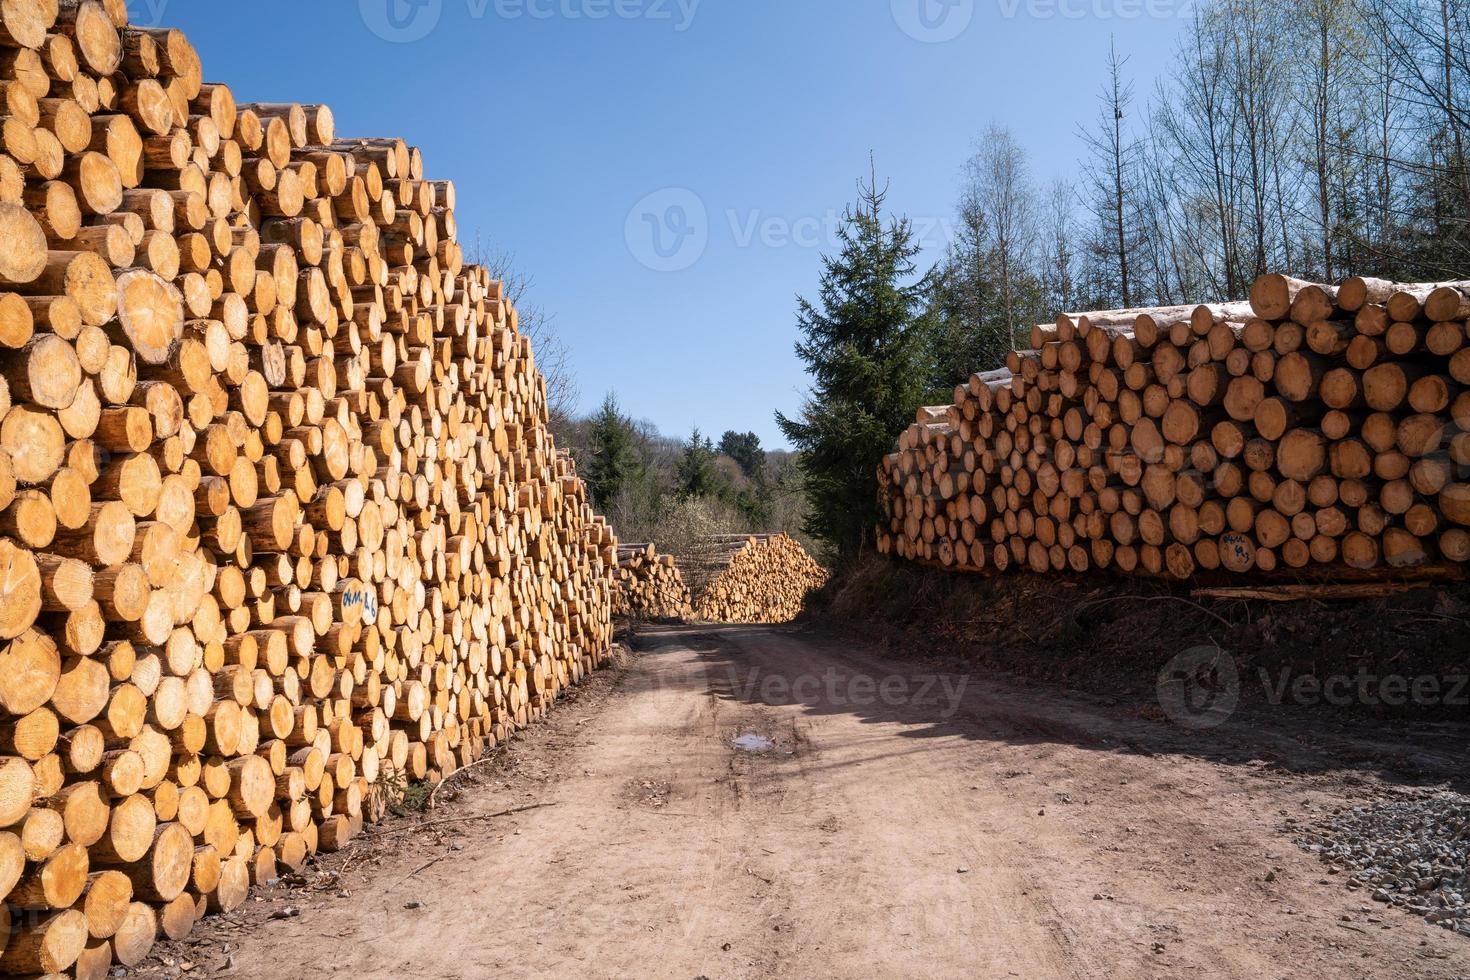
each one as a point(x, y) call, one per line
point(678, 493)
point(675, 492)
point(1325, 138)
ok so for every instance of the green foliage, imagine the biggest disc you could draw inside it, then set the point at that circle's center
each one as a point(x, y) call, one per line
point(696, 475)
point(611, 463)
point(404, 797)
point(969, 333)
point(741, 487)
point(990, 289)
point(745, 449)
point(864, 343)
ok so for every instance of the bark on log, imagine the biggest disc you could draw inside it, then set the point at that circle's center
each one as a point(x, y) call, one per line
point(1318, 435)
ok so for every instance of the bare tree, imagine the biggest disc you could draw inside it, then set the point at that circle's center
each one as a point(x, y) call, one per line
point(1329, 85)
point(999, 199)
point(1167, 269)
point(1195, 127)
point(1257, 73)
point(553, 356)
point(1058, 247)
point(1380, 188)
point(1111, 173)
point(1322, 137)
point(1428, 46)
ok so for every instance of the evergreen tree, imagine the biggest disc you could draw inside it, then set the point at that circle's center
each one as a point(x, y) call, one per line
point(612, 462)
point(967, 338)
point(864, 346)
point(697, 476)
point(745, 449)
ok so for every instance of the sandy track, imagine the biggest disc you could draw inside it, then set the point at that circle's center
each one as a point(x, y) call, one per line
point(1010, 831)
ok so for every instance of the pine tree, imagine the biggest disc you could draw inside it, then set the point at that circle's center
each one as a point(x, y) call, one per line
point(745, 449)
point(612, 458)
point(697, 476)
point(864, 345)
point(967, 336)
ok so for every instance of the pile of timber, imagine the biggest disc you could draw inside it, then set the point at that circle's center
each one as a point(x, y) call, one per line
point(649, 585)
point(281, 523)
point(1315, 429)
point(761, 578)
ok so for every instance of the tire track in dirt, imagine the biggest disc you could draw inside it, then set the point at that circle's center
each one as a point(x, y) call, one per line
point(1023, 833)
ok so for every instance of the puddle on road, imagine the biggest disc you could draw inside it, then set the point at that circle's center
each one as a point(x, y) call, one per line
point(754, 743)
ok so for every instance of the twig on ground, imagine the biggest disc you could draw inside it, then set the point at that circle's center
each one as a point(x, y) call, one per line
point(1154, 598)
point(465, 819)
point(1429, 615)
point(423, 867)
point(495, 756)
point(1320, 593)
point(347, 862)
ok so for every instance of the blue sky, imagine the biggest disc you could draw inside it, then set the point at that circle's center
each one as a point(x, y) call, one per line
point(668, 170)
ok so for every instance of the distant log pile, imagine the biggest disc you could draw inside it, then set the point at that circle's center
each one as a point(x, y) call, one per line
point(761, 578)
point(1316, 429)
point(649, 585)
point(279, 511)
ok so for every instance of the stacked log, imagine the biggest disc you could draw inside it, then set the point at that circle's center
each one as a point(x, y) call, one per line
point(649, 585)
point(1319, 430)
point(280, 516)
point(762, 578)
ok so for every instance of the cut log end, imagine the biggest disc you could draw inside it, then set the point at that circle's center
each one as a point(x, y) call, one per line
point(151, 312)
point(22, 246)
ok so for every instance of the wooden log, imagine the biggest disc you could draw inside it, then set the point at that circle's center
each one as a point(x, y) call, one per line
point(56, 884)
point(83, 277)
point(98, 42)
point(22, 246)
point(151, 315)
point(164, 874)
point(1272, 295)
point(134, 938)
point(44, 370)
point(48, 944)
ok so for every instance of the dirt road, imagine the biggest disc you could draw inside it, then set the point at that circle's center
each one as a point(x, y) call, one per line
point(898, 824)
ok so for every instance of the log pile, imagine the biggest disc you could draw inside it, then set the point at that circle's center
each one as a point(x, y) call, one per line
point(1319, 430)
point(649, 585)
point(280, 517)
point(762, 578)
